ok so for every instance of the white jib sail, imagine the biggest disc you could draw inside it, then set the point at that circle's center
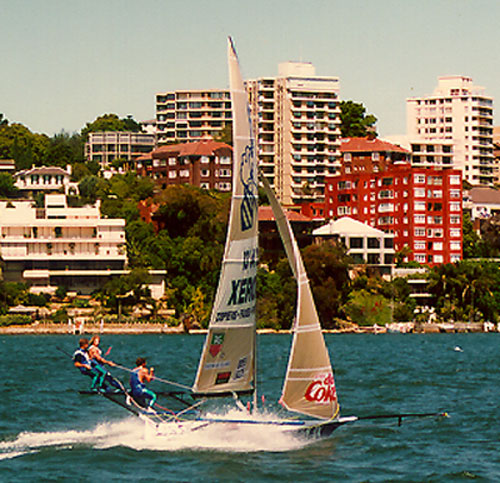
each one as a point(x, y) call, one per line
point(309, 386)
point(228, 358)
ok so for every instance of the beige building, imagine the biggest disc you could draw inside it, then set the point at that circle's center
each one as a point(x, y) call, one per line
point(457, 111)
point(296, 123)
point(191, 115)
point(106, 146)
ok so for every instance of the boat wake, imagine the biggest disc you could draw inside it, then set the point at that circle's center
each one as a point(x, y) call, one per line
point(175, 436)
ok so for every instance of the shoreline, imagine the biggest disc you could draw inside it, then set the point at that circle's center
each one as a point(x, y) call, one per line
point(138, 329)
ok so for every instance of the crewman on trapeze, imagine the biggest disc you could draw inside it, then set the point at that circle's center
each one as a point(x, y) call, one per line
point(140, 375)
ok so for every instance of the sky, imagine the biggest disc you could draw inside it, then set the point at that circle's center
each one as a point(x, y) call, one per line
point(66, 62)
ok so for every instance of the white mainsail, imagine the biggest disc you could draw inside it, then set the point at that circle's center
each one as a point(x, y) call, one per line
point(228, 359)
point(309, 386)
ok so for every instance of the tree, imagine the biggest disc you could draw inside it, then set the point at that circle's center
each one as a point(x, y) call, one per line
point(7, 187)
point(225, 135)
point(110, 122)
point(354, 120)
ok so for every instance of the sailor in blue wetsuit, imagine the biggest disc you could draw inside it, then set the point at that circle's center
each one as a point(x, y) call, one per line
point(139, 376)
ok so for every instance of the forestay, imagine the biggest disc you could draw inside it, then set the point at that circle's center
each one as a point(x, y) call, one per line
point(228, 359)
point(309, 386)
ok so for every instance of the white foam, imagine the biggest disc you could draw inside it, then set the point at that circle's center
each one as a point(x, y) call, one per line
point(175, 436)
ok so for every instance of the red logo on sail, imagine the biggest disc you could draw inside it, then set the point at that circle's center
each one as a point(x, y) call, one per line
point(216, 344)
point(322, 390)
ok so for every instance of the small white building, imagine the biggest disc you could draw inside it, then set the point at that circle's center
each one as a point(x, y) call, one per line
point(45, 179)
point(482, 202)
point(365, 244)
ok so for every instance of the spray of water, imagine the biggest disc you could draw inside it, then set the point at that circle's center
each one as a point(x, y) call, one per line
point(174, 436)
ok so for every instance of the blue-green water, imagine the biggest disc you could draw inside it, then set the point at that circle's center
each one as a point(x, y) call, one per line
point(49, 432)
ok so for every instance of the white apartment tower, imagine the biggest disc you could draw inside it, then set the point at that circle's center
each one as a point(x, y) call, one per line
point(460, 112)
point(191, 115)
point(296, 121)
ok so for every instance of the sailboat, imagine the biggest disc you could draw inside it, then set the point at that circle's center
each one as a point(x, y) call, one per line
point(228, 363)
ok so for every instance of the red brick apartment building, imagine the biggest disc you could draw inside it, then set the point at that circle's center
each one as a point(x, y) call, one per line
point(369, 155)
point(206, 164)
point(422, 207)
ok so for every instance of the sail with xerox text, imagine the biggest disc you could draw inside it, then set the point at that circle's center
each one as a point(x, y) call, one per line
point(227, 363)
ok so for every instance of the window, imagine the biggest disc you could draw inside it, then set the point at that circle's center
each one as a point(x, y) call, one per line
point(454, 219)
point(344, 185)
point(386, 194)
point(455, 245)
point(437, 246)
point(388, 242)
point(172, 174)
point(454, 258)
point(385, 208)
point(419, 205)
point(454, 179)
point(419, 178)
point(373, 243)
point(375, 156)
point(455, 232)
point(419, 192)
point(344, 210)
point(419, 258)
point(454, 206)
point(419, 245)
point(347, 157)
point(438, 259)
point(420, 219)
point(355, 242)
point(454, 193)
point(172, 161)
point(419, 231)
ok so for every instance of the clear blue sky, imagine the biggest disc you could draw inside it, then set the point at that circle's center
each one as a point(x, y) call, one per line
point(65, 62)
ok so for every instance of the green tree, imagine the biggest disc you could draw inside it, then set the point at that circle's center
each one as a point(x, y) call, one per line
point(225, 135)
point(110, 122)
point(7, 187)
point(19, 143)
point(354, 120)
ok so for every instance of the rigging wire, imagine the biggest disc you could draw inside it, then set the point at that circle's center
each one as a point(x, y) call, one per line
point(156, 378)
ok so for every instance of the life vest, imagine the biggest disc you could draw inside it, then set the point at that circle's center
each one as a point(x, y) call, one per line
point(135, 384)
point(82, 357)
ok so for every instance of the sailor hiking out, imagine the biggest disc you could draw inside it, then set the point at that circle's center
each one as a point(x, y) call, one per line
point(139, 376)
point(88, 366)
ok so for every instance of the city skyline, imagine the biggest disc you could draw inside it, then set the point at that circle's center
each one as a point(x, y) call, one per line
point(65, 63)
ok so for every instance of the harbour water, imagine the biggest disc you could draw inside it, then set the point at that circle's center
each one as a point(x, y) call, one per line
point(50, 432)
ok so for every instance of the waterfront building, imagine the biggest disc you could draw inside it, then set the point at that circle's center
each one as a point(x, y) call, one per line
point(206, 164)
point(460, 112)
point(422, 207)
point(365, 244)
point(46, 179)
point(296, 121)
point(107, 146)
point(59, 245)
point(191, 115)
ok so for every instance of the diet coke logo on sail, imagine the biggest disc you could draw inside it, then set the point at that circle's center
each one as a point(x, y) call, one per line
point(321, 390)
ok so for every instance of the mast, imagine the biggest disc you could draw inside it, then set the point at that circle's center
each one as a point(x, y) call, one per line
point(227, 364)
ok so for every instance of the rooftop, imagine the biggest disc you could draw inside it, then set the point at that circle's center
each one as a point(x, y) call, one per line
point(366, 144)
point(348, 226)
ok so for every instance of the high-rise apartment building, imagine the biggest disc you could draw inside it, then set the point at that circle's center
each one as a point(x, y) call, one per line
point(191, 115)
point(296, 121)
point(459, 111)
